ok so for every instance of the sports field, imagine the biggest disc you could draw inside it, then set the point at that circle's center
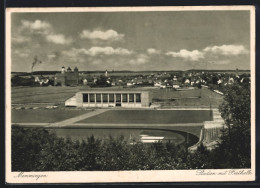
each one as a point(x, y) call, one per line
point(44, 115)
point(113, 116)
point(166, 97)
point(150, 117)
point(24, 95)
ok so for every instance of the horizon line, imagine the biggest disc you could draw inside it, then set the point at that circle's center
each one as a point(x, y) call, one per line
point(216, 70)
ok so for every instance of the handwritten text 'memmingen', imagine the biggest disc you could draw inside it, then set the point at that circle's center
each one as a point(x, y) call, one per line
point(35, 176)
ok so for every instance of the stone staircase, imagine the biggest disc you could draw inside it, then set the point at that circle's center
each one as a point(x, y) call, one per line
point(210, 132)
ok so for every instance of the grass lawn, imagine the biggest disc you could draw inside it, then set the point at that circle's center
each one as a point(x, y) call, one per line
point(23, 95)
point(44, 115)
point(58, 95)
point(196, 97)
point(150, 116)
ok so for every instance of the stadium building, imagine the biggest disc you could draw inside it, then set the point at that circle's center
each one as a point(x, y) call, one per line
point(110, 98)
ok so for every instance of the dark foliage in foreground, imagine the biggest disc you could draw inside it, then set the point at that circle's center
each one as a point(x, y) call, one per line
point(236, 111)
point(35, 149)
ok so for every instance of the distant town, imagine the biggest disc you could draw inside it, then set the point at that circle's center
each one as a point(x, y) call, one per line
point(214, 79)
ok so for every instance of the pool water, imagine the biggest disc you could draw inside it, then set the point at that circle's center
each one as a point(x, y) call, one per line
point(130, 135)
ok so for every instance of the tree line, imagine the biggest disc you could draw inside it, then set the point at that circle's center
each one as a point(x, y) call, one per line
point(37, 149)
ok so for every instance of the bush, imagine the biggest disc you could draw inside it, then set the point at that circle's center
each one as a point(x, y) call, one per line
point(27, 145)
point(20, 81)
point(35, 149)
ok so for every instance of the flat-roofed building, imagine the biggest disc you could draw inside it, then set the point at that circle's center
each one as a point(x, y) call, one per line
point(110, 98)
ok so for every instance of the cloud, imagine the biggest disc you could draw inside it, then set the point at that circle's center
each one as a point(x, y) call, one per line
point(111, 35)
point(152, 51)
point(227, 49)
point(94, 51)
point(140, 59)
point(51, 56)
point(38, 26)
point(58, 39)
point(224, 50)
point(220, 62)
point(54, 56)
point(107, 56)
point(22, 53)
point(20, 39)
point(108, 51)
point(194, 55)
point(75, 52)
point(42, 28)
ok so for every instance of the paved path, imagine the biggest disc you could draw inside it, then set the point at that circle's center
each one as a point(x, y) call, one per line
point(77, 118)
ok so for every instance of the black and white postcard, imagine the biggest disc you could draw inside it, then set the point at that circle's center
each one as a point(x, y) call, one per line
point(130, 94)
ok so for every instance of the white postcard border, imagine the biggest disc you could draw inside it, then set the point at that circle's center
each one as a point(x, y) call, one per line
point(213, 175)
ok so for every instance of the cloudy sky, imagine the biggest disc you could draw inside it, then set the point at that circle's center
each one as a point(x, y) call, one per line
point(131, 40)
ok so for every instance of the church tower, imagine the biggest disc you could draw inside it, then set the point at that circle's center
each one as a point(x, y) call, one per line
point(62, 70)
point(76, 70)
point(68, 69)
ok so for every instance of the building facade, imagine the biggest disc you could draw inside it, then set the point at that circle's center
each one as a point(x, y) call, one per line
point(97, 98)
